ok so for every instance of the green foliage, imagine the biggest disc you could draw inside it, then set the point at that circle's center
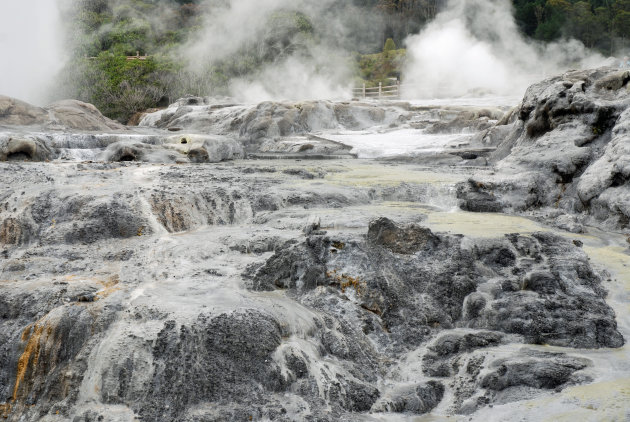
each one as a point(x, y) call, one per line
point(109, 30)
point(380, 67)
point(115, 85)
point(390, 45)
point(600, 24)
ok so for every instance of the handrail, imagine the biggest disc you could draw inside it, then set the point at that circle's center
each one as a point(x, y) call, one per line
point(136, 57)
point(380, 91)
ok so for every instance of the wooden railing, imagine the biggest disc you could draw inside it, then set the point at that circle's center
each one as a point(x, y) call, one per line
point(136, 57)
point(380, 91)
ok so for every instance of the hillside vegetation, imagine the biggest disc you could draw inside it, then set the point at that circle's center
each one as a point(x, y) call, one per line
point(105, 32)
point(600, 24)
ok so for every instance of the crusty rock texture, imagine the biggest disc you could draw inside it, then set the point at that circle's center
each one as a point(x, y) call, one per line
point(133, 290)
point(68, 114)
point(567, 148)
point(211, 266)
point(409, 277)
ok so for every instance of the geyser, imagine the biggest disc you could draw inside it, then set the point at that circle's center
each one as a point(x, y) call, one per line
point(474, 47)
point(31, 47)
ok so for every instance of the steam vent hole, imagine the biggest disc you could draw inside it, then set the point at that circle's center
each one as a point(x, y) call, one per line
point(20, 151)
point(184, 141)
point(19, 156)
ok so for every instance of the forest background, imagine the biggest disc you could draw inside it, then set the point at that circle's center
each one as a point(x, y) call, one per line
point(105, 35)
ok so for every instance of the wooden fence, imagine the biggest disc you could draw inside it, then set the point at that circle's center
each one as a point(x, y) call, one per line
point(380, 91)
point(136, 57)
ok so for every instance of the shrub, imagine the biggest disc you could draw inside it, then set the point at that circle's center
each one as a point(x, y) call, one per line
point(390, 45)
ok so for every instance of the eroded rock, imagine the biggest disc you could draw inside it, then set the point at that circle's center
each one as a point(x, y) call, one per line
point(23, 148)
point(567, 150)
point(543, 299)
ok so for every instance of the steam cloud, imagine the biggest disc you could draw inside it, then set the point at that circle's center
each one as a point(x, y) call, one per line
point(319, 70)
point(31, 47)
point(474, 47)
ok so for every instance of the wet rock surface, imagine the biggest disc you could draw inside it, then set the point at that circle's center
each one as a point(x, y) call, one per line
point(532, 286)
point(158, 275)
point(202, 130)
point(170, 292)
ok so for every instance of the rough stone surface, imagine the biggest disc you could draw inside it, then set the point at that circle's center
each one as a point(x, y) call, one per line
point(25, 148)
point(153, 274)
point(402, 240)
point(77, 115)
point(537, 285)
point(568, 149)
point(16, 112)
point(67, 114)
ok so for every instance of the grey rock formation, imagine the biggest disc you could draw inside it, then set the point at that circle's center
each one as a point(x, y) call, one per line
point(413, 281)
point(471, 120)
point(77, 115)
point(402, 240)
point(442, 357)
point(417, 399)
point(241, 311)
point(525, 374)
point(149, 274)
point(19, 113)
point(270, 119)
point(568, 149)
point(63, 115)
point(536, 372)
point(23, 148)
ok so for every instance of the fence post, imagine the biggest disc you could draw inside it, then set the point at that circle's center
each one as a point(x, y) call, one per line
point(364, 91)
point(398, 89)
point(380, 89)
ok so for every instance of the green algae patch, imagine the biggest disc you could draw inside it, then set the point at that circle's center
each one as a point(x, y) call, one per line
point(615, 259)
point(383, 175)
point(604, 401)
point(481, 224)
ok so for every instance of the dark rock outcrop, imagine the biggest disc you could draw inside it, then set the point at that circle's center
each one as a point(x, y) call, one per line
point(539, 287)
point(403, 240)
point(276, 290)
point(439, 362)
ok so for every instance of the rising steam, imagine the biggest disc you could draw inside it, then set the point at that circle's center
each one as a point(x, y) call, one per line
point(31, 47)
point(319, 68)
point(474, 47)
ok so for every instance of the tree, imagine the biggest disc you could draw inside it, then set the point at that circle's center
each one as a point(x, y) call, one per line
point(390, 45)
point(584, 25)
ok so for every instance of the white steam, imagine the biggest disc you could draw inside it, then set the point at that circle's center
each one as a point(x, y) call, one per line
point(318, 70)
point(474, 47)
point(31, 48)
point(294, 78)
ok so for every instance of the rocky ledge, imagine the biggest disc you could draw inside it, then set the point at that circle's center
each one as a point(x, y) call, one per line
point(565, 150)
point(249, 291)
point(208, 130)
